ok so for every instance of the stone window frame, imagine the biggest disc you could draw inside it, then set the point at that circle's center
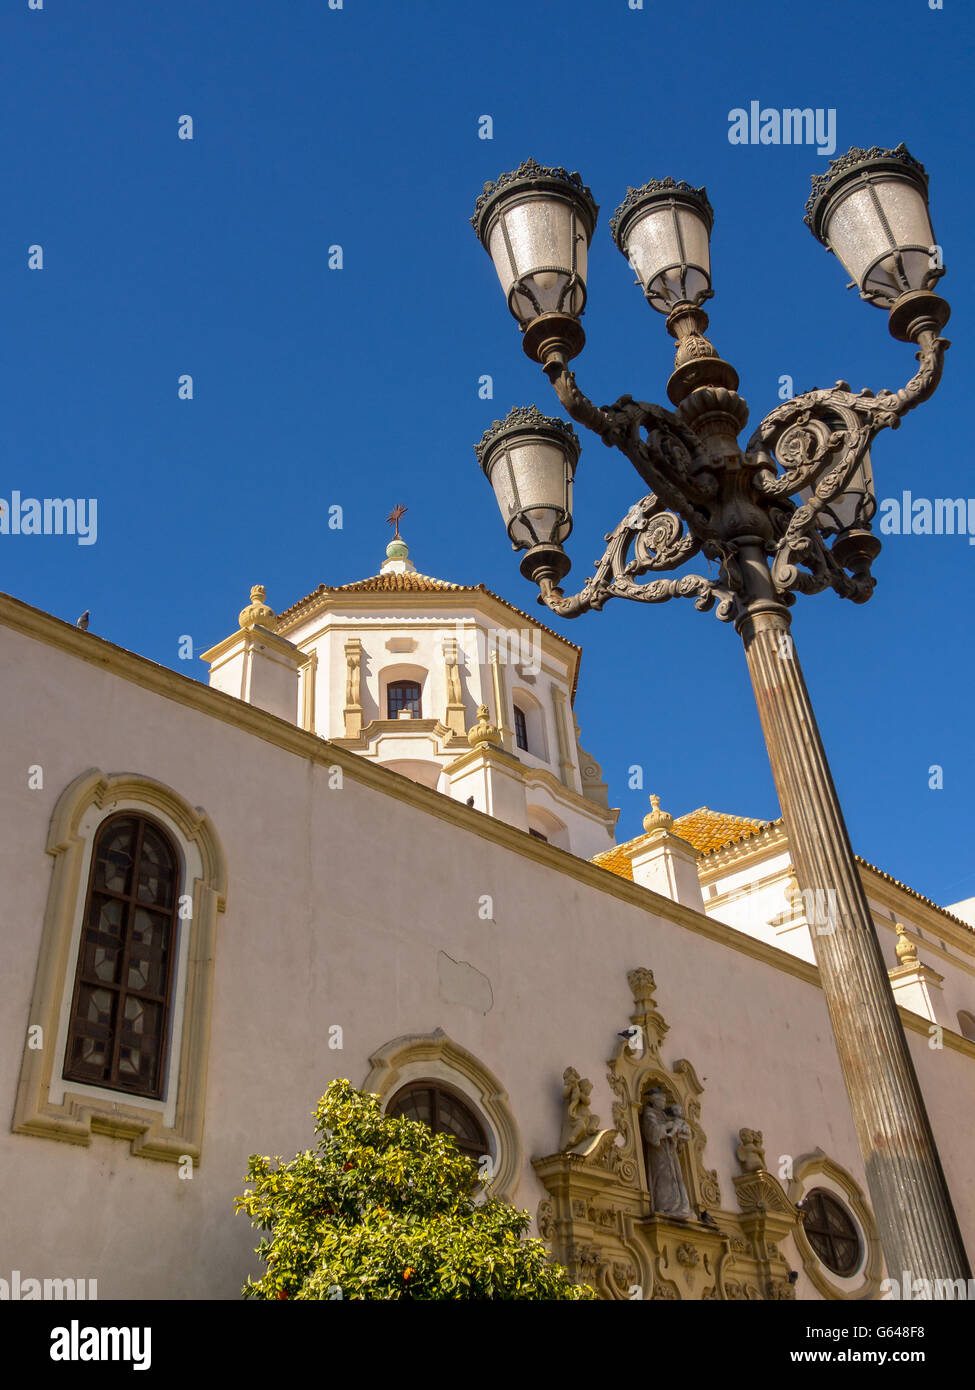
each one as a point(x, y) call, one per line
point(436, 1057)
point(818, 1170)
point(404, 671)
point(170, 1130)
point(536, 725)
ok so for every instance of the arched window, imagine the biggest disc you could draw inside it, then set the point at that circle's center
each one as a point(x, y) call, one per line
point(530, 722)
point(401, 695)
point(445, 1113)
point(966, 1025)
point(831, 1232)
point(120, 1007)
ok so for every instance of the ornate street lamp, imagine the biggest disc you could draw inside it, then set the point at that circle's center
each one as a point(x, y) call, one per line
point(530, 461)
point(789, 513)
point(871, 209)
point(664, 231)
point(536, 225)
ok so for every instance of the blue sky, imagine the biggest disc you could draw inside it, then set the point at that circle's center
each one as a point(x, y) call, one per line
point(358, 387)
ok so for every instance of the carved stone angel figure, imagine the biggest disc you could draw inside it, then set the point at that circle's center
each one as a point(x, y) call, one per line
point(666, 1132)
point(578, 1123)
point(751, 1150)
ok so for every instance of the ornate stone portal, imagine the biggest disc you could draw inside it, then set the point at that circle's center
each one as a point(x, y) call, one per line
point(633, 1210)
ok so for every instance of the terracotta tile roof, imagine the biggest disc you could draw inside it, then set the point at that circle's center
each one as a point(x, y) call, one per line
point(407, 584)
point(705, 829)
point(709, 831)
point(396, 583)
point(912, 892)
point(615, 859)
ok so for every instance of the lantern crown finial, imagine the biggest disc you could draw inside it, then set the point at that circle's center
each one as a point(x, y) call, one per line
point(527, 417)
point(656, 188)
point(855, 161)
point(530, 174)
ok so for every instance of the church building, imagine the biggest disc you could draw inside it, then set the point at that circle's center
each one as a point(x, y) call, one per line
point(373, 846)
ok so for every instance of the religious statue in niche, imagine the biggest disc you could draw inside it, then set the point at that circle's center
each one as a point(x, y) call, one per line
point(578, 1123)
point(454, 696)
point(353, 668)
point(666, 1132)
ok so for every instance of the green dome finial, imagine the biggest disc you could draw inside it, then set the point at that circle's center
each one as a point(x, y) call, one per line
point(397, 552)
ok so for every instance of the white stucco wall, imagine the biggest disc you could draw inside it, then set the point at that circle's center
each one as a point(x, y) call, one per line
point(340, 906)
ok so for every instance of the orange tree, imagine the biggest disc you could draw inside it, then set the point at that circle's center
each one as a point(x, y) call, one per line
point(384, 1208)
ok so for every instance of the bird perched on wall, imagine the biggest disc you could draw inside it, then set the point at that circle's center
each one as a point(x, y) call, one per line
point(84, 620)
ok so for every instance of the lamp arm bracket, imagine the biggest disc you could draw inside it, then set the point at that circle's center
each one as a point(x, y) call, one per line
point(924, 382)
point(670, 458)
point(829, 469)
point(817, 441)
point(575, 401)
point(804, 435)
point(822, 571)
point(705, 593)
point(658, 541)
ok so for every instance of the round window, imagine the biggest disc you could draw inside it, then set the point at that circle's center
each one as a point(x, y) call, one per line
point(445, 1113)
point(831, 1232)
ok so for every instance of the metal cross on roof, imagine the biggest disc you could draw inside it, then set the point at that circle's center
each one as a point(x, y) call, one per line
point(393, 519)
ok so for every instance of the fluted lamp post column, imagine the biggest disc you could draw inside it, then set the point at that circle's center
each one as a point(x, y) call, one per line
point(789, 513)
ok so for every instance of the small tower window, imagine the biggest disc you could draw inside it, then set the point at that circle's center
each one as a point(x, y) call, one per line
point(403, 695)
point(521, 728)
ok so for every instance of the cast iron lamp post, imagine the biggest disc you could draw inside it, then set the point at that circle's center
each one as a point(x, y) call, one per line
point(790, 513)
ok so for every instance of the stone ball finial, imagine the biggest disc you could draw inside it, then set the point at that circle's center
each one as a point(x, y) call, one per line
point(906, 950)
point(657, 819)
point(483, 731)
point(397, 550)
point(257, 611)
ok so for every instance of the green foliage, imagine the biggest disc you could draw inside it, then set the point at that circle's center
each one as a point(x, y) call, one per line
point(384, 1208)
